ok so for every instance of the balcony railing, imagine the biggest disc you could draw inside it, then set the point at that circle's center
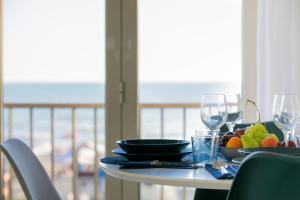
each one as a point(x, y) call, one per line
point(31, 108)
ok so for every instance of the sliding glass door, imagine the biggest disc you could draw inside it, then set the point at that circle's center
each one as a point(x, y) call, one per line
point(185, 49)
point(54, 81)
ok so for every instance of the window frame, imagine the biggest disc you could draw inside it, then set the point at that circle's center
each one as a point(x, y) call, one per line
point(121, 97)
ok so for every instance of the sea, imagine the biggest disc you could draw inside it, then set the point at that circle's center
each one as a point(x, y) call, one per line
point(95, 92)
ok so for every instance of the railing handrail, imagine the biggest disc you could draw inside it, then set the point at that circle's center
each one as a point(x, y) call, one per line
point(97, 105)
point(53, 105)
point(169, 105)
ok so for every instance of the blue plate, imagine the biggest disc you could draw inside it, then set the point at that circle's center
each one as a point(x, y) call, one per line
point(229, 153)
point(161, 157)
point(282, 150)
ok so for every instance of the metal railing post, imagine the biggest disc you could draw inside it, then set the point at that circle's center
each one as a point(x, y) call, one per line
point(184, 123)
point(184, 137)
point(162, 134)
point(52, 124)
point(74, 150)
point(10, 135)
point(31, 127)
point(162, 123)
point(96, 153)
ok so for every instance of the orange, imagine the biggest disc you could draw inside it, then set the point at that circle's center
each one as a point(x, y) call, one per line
point(234, 142)
point(269, 141)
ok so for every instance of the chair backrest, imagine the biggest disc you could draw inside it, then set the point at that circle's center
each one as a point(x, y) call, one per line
point(270, 126)
point(29, 171)
point(267, 176)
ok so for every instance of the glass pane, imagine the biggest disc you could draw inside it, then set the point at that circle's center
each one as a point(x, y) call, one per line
point(186, 49)
point(54, 53)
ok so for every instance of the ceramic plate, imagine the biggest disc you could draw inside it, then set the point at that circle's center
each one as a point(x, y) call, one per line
point(161, 157)
point(152, 146)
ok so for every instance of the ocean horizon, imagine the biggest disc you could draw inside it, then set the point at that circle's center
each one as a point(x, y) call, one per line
point(95, 92)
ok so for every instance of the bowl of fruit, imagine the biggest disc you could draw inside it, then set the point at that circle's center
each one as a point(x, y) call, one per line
point(230, 143)
point(241, 142)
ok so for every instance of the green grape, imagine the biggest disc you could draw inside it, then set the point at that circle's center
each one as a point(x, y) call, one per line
point(257, 132)
point(256, 128)
point(261, 136)
point(260, 128)
point(249, 142)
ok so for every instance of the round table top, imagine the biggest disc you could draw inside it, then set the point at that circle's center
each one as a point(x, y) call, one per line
point(195, 178)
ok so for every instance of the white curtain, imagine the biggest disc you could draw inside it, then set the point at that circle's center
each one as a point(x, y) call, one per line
point(278, 51)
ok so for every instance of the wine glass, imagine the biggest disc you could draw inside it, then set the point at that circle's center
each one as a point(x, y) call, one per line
point(234, 107)
point(286, 113)
point(213, 111)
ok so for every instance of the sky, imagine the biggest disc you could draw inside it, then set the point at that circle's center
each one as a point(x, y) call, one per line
point(178, 40)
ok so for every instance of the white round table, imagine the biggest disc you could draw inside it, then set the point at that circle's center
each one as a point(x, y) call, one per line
point(195, 178)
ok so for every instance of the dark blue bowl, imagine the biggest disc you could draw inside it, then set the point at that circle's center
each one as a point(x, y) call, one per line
point(177, 156)
point(152, 146)
point(230, 153)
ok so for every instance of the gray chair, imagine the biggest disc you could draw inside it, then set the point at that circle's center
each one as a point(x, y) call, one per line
point(33, 179)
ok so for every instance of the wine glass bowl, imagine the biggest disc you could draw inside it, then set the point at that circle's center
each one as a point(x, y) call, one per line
point(286, 121)
point(286, 114)
point(277, 110)
point(213, 111)
point(234, 107)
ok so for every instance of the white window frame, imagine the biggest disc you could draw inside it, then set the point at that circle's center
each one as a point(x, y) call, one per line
point(249, 57)
point(122, 116)
point(1, 99)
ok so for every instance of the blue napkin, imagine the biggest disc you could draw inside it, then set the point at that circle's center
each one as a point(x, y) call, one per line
point(218, 175)
point(126, 164)
point(113, 160)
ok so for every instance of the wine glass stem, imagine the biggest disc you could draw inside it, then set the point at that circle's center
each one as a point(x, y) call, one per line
point(293, 134)
point(289, 136)
point(230, 127)
point(215, 132)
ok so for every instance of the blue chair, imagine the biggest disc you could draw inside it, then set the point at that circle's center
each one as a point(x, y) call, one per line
point(29, 171)
point(267, 176)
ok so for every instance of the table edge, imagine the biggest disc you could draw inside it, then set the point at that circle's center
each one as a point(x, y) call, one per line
point(152, 179)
